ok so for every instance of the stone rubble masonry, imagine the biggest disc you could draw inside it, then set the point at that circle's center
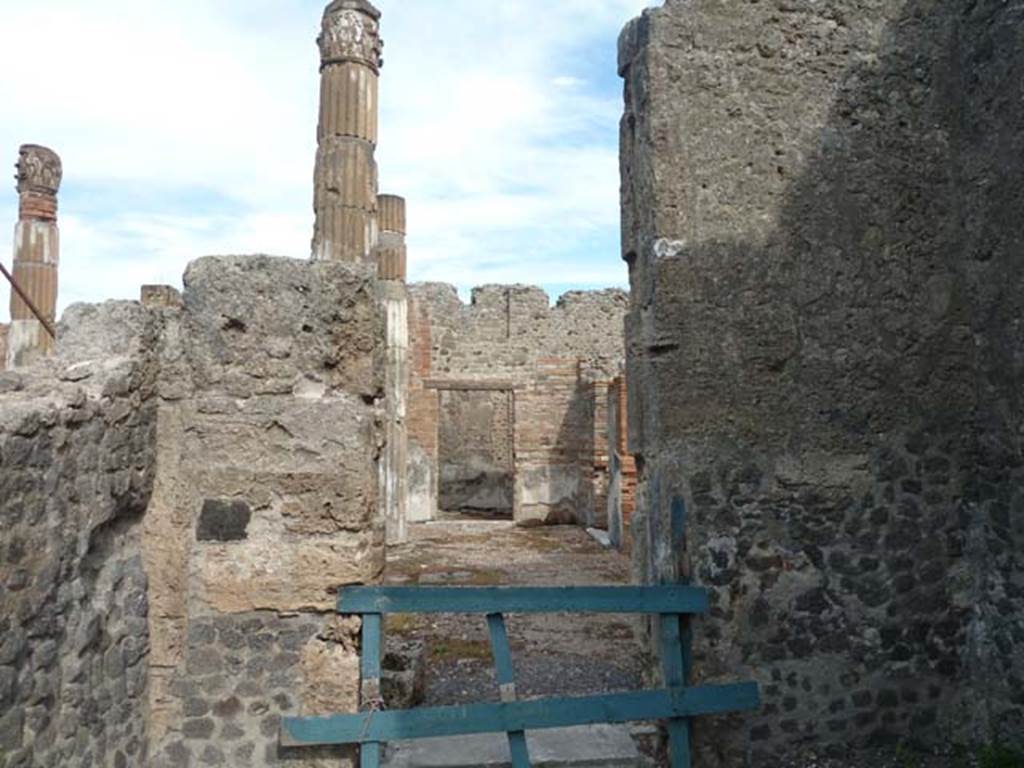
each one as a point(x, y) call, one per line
point(345, 185)
point(277, 431)
point(183, 489)
point(36, 255)
point(160, 296)
point(510, 339)
point(77, 468)
point(821, 207)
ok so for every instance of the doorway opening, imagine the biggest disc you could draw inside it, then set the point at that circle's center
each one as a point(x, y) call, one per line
point(476, 456)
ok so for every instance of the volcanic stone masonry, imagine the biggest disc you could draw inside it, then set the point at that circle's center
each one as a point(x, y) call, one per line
point(183, 488)
point(36, 255)
point(822, 217)
point(516, 378)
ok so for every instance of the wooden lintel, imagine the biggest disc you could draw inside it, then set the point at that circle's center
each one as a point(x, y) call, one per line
point(468, 385)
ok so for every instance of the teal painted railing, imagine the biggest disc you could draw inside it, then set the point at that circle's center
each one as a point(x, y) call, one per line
point(676, 703)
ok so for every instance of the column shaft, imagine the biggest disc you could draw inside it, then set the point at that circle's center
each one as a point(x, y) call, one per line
point(36, 255)
point(345, 186)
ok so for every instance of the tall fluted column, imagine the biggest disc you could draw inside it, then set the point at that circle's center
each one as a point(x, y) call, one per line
point(36, 254)
point(390, 254)
point(345, 196)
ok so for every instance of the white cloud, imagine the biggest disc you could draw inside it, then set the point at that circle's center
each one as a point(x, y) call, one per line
point(188, 128)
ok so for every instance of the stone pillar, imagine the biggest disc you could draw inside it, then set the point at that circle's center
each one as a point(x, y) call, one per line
point(391, 249)
point(390, 254)
point(621, 466)
point(345, 196)
point(3, 346)
point(36, 254)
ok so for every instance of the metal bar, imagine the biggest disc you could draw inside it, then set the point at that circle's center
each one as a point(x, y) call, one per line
point(28, 303)
point(675, 676)
point(519, 715)
point(507, 684)
point(655, 600)
point(676, 645)
point(369, 754)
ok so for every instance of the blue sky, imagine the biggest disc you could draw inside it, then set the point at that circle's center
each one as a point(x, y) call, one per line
point(188, 129)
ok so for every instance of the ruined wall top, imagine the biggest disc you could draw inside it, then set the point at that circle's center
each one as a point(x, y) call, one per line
point(506, 329)
point(351, 33)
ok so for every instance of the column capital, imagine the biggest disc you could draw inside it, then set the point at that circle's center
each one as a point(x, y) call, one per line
point(39, 170)
point(351, 33)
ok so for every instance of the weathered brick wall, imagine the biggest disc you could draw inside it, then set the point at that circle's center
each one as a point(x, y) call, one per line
point(596, 461)
point(423, 417)
point(552, 425)
point(507, 339)
point(821, 212)
point(77, 464)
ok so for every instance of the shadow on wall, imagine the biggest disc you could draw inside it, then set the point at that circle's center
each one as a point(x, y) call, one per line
point(827, 349)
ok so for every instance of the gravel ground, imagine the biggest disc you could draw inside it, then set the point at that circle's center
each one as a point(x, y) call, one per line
point(554, 654)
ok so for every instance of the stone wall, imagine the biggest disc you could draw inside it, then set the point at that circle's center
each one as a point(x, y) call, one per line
point(77, 466)
point(510, 340)
point(4, 329)
point(188, 484)
point(822, 219)
point(266, 501)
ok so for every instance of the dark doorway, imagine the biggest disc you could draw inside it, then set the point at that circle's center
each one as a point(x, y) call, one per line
point(475, 453)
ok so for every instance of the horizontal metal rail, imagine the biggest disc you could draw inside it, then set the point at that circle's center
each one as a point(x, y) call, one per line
point(513, 716)
point(487, 600)
point(675, 703)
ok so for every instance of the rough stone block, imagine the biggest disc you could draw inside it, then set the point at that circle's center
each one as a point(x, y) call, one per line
point(313, 320)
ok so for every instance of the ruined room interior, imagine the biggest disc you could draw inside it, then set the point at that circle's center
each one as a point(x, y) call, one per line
point(807, 404)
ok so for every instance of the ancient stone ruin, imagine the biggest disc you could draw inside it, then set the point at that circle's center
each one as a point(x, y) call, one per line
point(821, 218)
point(506, 401)
point(808, 403)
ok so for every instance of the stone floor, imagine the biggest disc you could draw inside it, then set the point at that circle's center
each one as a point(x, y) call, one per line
point(554, 654)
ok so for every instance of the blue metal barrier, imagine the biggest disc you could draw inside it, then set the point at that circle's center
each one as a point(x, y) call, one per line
point(675, 703)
